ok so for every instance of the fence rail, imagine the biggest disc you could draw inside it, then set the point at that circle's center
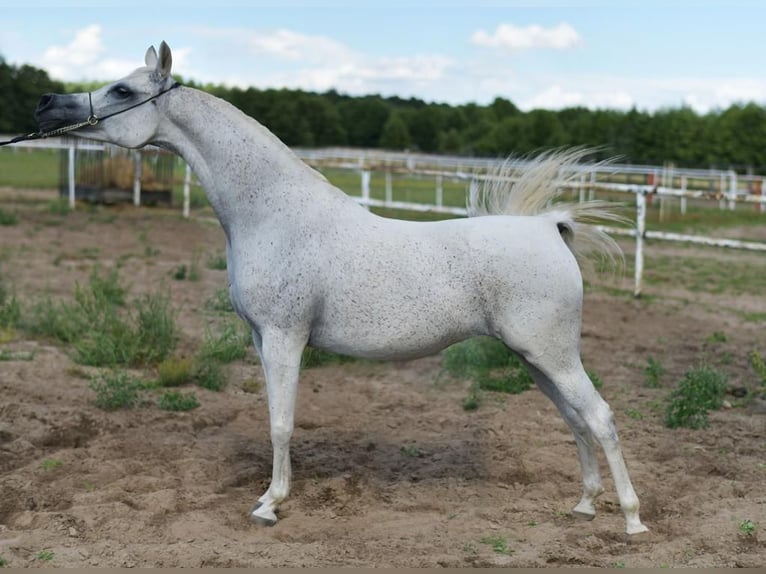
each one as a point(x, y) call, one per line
point(726, 187)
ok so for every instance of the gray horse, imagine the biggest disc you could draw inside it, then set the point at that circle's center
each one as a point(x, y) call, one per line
point(308, 266)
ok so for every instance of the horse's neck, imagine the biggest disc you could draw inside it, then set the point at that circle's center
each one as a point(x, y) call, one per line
point(246, 171)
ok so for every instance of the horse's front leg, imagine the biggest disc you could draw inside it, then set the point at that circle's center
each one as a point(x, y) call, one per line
point(281, 358)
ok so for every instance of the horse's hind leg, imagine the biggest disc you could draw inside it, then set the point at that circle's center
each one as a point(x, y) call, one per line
point(564, 379)
point(591, 475)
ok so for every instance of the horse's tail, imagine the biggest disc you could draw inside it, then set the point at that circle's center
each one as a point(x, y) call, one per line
point(530, 188)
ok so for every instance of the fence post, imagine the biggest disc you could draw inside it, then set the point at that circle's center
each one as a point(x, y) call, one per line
point(71, 176)
point(640, 228)
point(592, 191)
point(366, 188)
point(187, 190)
point(389, 188)
point(582, 187)
point(439, 190)
point(683, 197)
point(732, 190)
point(137, 179)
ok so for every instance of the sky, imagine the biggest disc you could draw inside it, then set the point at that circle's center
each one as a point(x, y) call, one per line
point(548, 54)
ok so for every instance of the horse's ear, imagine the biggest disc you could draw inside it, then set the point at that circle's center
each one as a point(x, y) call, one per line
point(165, 61)
point(151, 57)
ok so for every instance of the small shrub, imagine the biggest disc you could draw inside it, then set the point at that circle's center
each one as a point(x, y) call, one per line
point(653, 372)
point(228, 345)
point(217, 261)
point(701, 390)
point(51, 464)
point(116, 390)
point(177, 401)
point(58, 206)
point(45, 555)
point(156, 331)
point(174, 371)
point(3, 562)
point(219, 302)
point(490, 364)
point(717, 337)
point(10, 308)
point(595, 379)
point(759, 366)
point(747, 527)
point(8, 218)
point(179, 273)
point(411, 451)
point(209, 375)
point(498, 544)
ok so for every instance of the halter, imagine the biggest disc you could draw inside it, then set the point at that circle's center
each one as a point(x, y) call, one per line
point(92, 119)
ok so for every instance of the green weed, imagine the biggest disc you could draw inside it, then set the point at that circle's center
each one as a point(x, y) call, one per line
point(116, 390)
point(217, 261)
point(3, 562)
point(653, 372)
point(59, 206)
point(6, 355)
point(177, 401)
point(8, 217)
point(635, 414)
point(317, 357)
point(759, 365)
point(498, 544)
point(219, 301)
point(701, 390)
point(747, 527)
point(411, 451)
point(174, 371)
point(51, 464)
point(209, 375)
point(228, 345)
point(717, 337)
point(595, 379)
point(45, 555)
point(490, 364)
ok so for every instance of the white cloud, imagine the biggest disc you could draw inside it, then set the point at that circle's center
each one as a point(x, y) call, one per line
point(515, 38)
point(82, 58)
point(555, 97)
point(289, 45)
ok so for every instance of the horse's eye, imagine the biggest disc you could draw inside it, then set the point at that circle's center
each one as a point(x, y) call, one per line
point(121, 91)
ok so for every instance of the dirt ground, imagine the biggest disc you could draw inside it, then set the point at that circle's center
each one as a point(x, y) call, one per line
point(388, 469)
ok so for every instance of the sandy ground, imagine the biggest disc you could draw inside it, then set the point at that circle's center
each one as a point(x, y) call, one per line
point(389, 470)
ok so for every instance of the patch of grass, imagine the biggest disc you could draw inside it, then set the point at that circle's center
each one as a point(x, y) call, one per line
point(45, 555)
point(209, 375)
point(3, 562)
point(103, 331)
point(116, 390)
point(178, 401)
point(635, 414)
point(717, 337)
point(317, 357)
point(6, 355)
point(595, 379)
point(8, 217)
point(51, 464)
point(411, 451)
point(192, 272)
point(217, 262)
point(653, 372)
point(498, 544)
point(174, 371)
point(701, 390)
point(491, 366)
point(228, 345)
point(59, 206)
point(219, 302)
point(759, 365)
point(747, 527)
point(10, 308)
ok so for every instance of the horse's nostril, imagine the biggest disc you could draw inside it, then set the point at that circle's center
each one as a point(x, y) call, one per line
point(45, 101)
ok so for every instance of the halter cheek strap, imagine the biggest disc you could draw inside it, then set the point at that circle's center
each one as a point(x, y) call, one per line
point(92, 120)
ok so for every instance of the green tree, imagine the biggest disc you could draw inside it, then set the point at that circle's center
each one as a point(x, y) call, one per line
point(396, 135)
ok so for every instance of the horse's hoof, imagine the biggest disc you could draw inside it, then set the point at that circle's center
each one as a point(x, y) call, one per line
point(585, 516)
point(262, 516)
point(640, 536)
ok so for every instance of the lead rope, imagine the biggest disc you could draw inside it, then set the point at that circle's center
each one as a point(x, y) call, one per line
point(92, 120)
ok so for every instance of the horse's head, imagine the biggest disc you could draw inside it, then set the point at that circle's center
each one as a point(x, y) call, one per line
point(126, 112)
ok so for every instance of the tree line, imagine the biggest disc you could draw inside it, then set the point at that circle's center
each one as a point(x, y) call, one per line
point(734, 137)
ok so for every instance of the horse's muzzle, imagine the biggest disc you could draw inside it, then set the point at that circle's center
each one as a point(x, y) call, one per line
point(55, 111)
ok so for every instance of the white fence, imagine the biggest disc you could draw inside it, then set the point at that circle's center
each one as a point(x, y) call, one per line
point(645, 182)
